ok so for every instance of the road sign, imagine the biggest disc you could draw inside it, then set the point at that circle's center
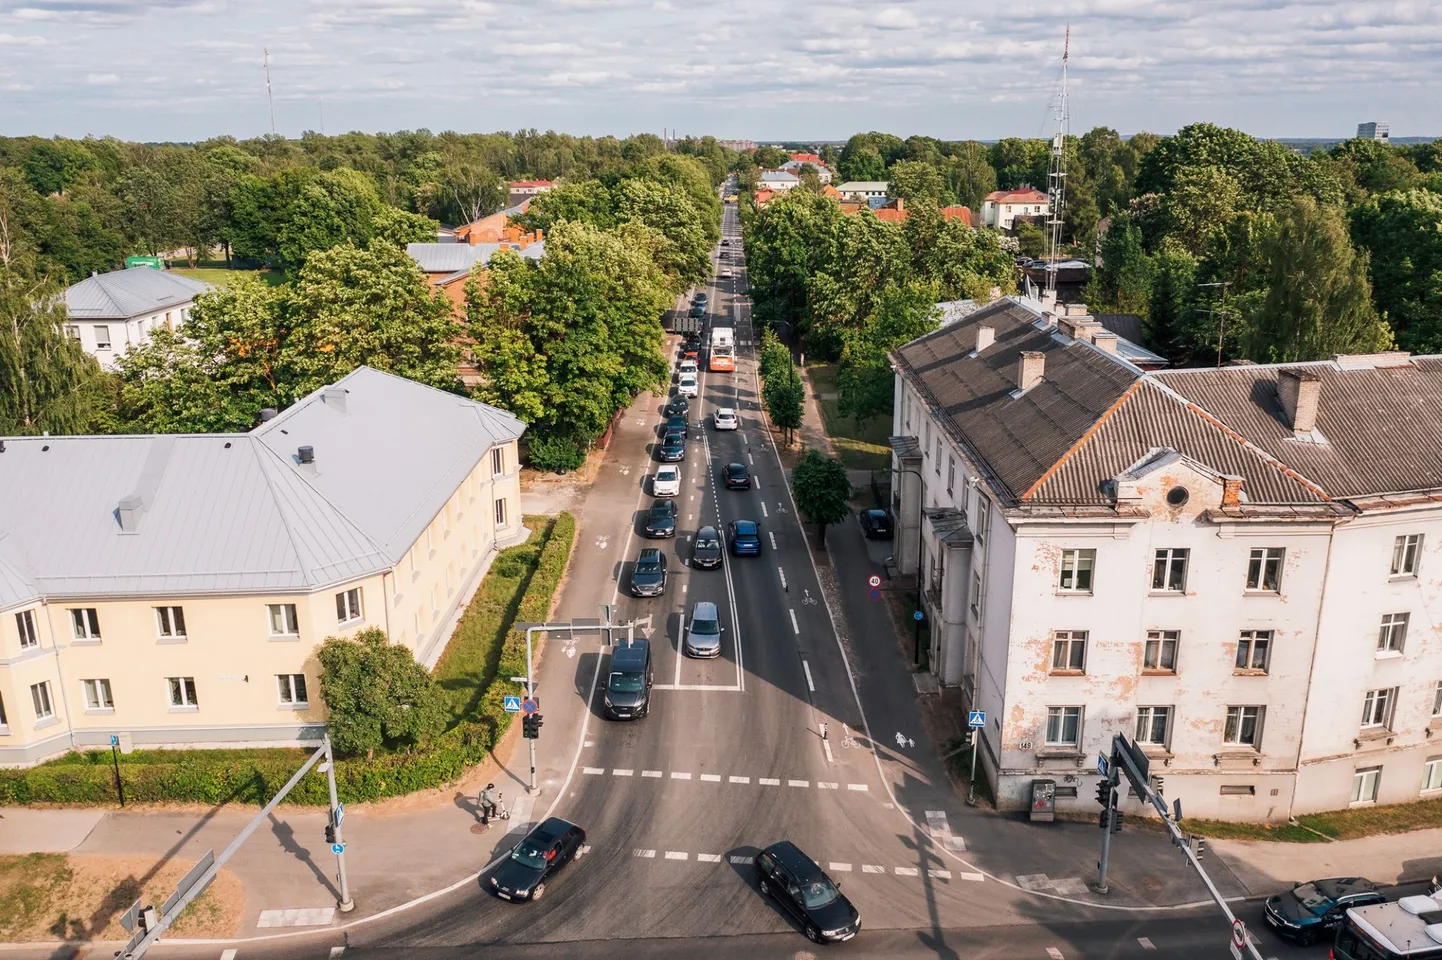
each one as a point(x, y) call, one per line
point(530, 706)
point(1239, 933)
point(115, 739)
point(976, 718)
point(337, 848)
point(875, 594)
point(130, 918)
point(918, 615)
point(1103, 768)
point(875, 581)
point(513, 704)
point(189, 881)
point(339, 813)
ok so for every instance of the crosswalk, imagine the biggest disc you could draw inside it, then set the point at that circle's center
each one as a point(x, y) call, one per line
point(682, 775)
point(832, 866)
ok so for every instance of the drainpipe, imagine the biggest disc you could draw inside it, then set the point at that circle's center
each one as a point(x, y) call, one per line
point(1312, 672)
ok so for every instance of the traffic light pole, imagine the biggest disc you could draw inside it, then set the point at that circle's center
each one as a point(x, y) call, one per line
point(532, 788)
point(346, 903)
point(1108, 812)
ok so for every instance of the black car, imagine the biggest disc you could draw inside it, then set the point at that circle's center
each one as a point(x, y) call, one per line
point(678, 405)
point(536, 859)
point(628, 685)
point(697, 312)
point(673, 447)
point(648, 576)
point(876, 524)
point(707, 553)
point(700, 298)
point(805, 891)
point(745, 538)
point(1313, 910)
point(677, 423)
point(737, 478)
point(661, 519)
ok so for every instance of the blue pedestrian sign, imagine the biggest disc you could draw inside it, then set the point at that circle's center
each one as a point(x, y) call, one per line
point(339, 813)
point(114, 740)
point(918, 615)
point(1103, 768)
point(976, 718)
point(513, 704)
point(337, 848)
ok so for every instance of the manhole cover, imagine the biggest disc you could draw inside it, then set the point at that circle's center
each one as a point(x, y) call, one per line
point(479, 828)
point(1152, 884)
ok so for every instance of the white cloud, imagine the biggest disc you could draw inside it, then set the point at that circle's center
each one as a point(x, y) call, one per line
point(10, 39)
point(895, 18)
point(101, 79)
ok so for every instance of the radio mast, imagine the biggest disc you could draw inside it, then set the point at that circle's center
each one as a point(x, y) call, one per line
point(268, 95)
point(1057, 173)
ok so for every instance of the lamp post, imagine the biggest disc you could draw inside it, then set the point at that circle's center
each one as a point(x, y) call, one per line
point(920, 506)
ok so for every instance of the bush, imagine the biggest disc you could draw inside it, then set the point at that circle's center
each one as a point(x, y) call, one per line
point(557, 453)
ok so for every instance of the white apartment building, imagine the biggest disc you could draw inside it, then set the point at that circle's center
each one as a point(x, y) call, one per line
point(1000, 208)
point(111, 312)
point(778, 180)
point(1228, 565)
point(863, 190)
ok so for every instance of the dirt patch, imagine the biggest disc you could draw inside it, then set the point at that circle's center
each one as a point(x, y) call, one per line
point(50, 897)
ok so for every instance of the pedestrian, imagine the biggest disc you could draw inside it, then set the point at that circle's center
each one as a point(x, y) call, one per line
point(488, 804)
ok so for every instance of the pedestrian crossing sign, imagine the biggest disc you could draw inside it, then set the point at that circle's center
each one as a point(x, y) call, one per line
point(513, 704)
point(976, 718)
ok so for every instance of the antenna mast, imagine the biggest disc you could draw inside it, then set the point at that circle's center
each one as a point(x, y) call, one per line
point(1057, 174)
point(268, 95)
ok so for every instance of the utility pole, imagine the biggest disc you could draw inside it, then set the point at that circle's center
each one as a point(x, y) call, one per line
point(1220, 312)
point(337, 842)
point(268, 95)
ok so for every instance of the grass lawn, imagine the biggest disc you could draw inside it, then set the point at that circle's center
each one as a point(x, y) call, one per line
point(1337, 824)
point(214, 272)
point(861, 446)
point(469, 663)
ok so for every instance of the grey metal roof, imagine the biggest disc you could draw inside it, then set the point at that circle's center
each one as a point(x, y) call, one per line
point(236, 513)
point(777, 176)
point(122, 294)
point(1128, 326)
point(864, 186)
point(455, 257)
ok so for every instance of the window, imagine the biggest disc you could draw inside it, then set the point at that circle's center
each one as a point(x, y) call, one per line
point(983, 517)
point(1253, 649)
point(348, 605)
point(292, 689)
point(4, 721)
point(1264, 569)
point(1238, 790)
point(283, 621)
point(171, 622)
point(1364, 784)
point(1169, 571)
point(1160, 652)
point(1244, 727)
point(102, 337)
point(97, 695)
point(950, 475)
point(1437, 700)
point(1406, 550)
point(1063, 726)
point(40, 698)
point(498, 461)
point(1153, 725)
point(938, 456)
point(501, 512)
point(182, 693)
point(1377, 708)
point(926, 438)
point(85, 622)
point(1069, 650)
point(1394, 633)
point(1431, 773)
point(1076, 571)
point(25, 626)
point(975, 594)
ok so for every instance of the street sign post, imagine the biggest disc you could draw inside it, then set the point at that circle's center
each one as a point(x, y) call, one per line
point(513, 704)
point(875, 581)
point(976, 718)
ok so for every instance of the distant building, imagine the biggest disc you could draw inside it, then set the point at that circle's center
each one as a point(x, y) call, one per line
point(1374, 130)
point(523, 190)
point(111, 312)
point(1001, 207)
point(740, 146)
point(862, 189)
point(496, 228)
point(799, 161)
point(448, 265)
point(779, 181)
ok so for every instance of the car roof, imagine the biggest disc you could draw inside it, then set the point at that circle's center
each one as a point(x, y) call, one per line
point(1335, 887)
point(736, 466)
point(630, 656)
point(666, 469)
point(745, 526)
point(663, 505)
point(876, 512)
point(687, 376)
point(789, 855)
point(649, 553)
point(704, 610)
point(708, 531)
point(550, 829)
point(726, 410)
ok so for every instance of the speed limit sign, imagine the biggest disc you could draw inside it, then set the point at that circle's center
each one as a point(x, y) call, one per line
point(875, 581)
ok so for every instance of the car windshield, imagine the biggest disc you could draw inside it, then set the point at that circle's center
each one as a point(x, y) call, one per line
point(819, 893)
point(625, 682)
point(530, 854)
point(705, 626)
point(648, 566)
point(662, 510)
point(737, 470)
point(1312, 898)
point(707, 543)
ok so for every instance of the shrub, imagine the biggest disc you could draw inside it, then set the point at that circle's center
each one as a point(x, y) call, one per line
point(557, 453)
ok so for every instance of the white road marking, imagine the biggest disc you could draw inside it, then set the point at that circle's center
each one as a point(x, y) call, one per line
point(709, 857)
point(907, 872)
point(1054, 953)
point(809, 685)
point(750, 459)
point(590, 743)
point(826, 745)
point(644, 854)
point(872, 868)
point(769, 782)
point(796, 627)
point(711, 777)
point(622, 773)
point(839, 867)
point(1146, 943)
point(740, 779)
point(779, 572)
point(677, 855)
point(308, 917)
point(684, 586)
point(939, 874)
point(592, 771)
point(798, 783)
point(763, 511)
point(826, 785)
point(228, 954)
point(334, 952)
point(585, 849)
point(740, 860)
point(858, 787)
point(680, 776)
point(772, 535)
point(650, 773)
point(975, 877)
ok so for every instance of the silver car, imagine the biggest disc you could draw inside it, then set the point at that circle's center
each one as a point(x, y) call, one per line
point(703, 633)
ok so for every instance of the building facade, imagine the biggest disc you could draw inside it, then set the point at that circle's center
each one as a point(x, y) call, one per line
point(111, 312)
point(1374, 130)
point(172, 590)
point(863, 190)
point(1000, 208)
point(1227, 565)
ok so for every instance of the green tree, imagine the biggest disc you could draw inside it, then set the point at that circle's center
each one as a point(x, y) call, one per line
point(1174, 274)
point(865, 381)
point(1201, 202)
point(914, 180)
point(783, 393)
point(1123, 279)
point(1021, 162)
point(1402, 235)
point(1030, 240)
point(867, 156)
point(336, 207)
point(51, 167)
point(586, 202)
point(377, 694)
point(970, 175)
point(398, 228)
point(1318, 301)
point(822, 491)
point(769, 158)
point(790, 240)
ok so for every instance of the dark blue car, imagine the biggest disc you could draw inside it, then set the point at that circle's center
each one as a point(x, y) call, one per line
point(1311, 911)
point(745, 538)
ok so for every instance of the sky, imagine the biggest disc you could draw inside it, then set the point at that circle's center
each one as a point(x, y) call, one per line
point(759, 69)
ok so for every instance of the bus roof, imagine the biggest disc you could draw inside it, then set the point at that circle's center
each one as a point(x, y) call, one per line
point(1408, 927)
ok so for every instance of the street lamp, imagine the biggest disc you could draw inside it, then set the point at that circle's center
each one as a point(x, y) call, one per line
point(920, 506)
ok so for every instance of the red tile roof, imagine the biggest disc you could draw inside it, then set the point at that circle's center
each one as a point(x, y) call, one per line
point(959, 213)
point(1024, 195)
point(806, 158)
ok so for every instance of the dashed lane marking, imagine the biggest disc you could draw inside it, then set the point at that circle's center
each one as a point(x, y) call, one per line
point(809, 685)
point(711, 777)
point(974, 877)
point(740, 860)
point(592, 771)
point(680, 776)
point(907, 872)
point(677, 855)
point(763, 511)
point(650, 773)
point(772, 534)
point(228, 954)
point(644, 854)
point(939, 874)
point(858, 787)
point(769, 782)
point(1054, 953)
point(798, 783)
point(1146, 943)
point(334, 953)
point(839, 867)
point(739, 779)
point(622, 773)
point(796, 628)
point(826, 785)
point(709, 857)
point(872, 868)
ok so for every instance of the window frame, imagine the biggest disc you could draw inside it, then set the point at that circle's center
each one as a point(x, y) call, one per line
point(1391, 639)
point(290, 696)
point(1060, 715)
point(950, 476)
point(167, 619)
point(1406, 556)
point(1076, 555)
point(1379, 708)
point(99, 698)
point(1164, 566)
point(1149, 719)
point(1261, 561)
point(976, 595)
point(347, 612)
point(500, 512)
point(27, 629)
point(1431, 770)
point(1360, 777)
point(4, 720)
point(498, 461)
point(1160, 638)
point(290, 614)
point(85, 624)
point(1251, 639)
point(41, 691)
point(189, 698)
point(1437, 699)
point(95, 329)
point(1070, 646)
point(1236, 738)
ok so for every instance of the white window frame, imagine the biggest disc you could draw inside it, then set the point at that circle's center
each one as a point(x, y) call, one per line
point(1237, 718)
point(98, 697)
point(498, 462)
point(288, 614)
point(1366, 781)
point(950, 476)
point(1437, 700)
point(1147, 718)
point(1248, 642)
point(1406, 556)
point(348, 607)
point(1056, 719)
point(4, 720)
point(976, 596)
point(27, 629)
point(1074, 563)
point(1165, 563)
point(100, 329)
point(42, 701)
point(181, 693)
point(1158, 640)
point(1378, 708)
point(1431, 773)
point(85, 624)
point(502, 513)
point(292, 694)
point(1392, 637)
point(170, 623)
point(1069, 646)
point(1261, 562)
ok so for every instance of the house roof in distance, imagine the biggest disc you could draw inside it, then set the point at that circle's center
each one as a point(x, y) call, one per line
point(452, 257)
point(122, 294)
point(864, 186)
point(778, 176)
point(237, 513)
point(1022, 195)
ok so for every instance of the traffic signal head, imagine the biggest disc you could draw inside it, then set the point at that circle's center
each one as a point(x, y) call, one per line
point(528, 726)
point(1198, 845)
point(1157, 782)
point(329, 833)
point(1116, 821)
point(1104, 792)
point(1103, 819)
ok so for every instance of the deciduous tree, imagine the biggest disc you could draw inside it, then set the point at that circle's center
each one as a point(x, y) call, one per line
point(377, 694)
point(822, 491)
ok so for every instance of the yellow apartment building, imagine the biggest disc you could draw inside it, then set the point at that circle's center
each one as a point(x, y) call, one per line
point(171, 590)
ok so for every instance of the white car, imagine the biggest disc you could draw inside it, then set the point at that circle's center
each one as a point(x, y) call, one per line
point(724, 275)
point(725, 419)
point(687, 365)
point(686, 386)
point(666, 483)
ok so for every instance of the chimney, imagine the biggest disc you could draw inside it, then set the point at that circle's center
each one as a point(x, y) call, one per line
point(1048, 305)
point(268, 414)
point(1299, 391)
point(985, 337)
point(1029, 368)
point(129, 511)
point(306, 457)
point(900, 204)
point(1231, 491)
point(473, 237)
point(1076, 310)
point(1105, 341)
point(334, 397)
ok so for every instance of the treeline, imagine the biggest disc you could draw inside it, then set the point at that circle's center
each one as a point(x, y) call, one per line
point(852, 287)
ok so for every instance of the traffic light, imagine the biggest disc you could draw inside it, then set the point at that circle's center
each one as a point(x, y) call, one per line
point(1116, 823)
point(1157, 782)
point(528, 726)
point(1104, 793)
point(538, 720)
point(1103, 819)
point(330, 833)
point(1197, 845)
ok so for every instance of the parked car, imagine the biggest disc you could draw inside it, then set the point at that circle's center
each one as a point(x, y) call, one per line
point(661, 519)
point(703, 631)
point(666, 482)
point(648, 576)
point(678, 404)
point(686, 386)
point(876, 524)
point(687, 365)
point(745, 538)
point(536, 859)
point(725, 419)
point(628, 686)
point(737, 477)
point(677, 423)
point(804, 890)
point(673, 447)
point(707, 552)
point(1310, 911)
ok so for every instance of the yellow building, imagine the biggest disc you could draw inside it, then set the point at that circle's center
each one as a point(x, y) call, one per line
point(172, 590)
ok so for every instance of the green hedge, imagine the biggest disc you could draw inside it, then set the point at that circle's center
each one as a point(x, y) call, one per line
point(234, 776)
